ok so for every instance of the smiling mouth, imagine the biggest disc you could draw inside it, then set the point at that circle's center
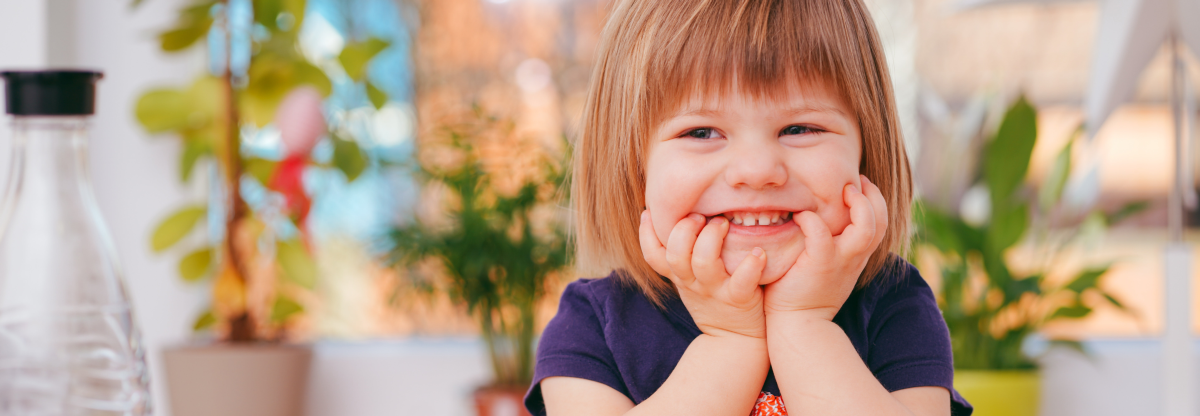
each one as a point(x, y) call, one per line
point(761, 218)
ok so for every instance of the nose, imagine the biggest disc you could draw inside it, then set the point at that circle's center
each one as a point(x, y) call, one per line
point(756, 165)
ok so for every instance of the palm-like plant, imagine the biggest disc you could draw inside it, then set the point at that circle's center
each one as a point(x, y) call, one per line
point(990, 308)
point(496, 262)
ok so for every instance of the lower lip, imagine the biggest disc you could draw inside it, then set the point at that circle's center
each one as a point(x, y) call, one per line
point(763, 230)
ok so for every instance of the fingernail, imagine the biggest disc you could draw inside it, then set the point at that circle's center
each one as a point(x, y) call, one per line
point(696, 217)
point(757, 252)
point(644, 214)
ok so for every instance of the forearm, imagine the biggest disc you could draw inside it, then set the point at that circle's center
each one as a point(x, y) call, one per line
point(716, 376)
point(820, 373)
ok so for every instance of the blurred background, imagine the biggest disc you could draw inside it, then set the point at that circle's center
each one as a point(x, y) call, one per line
point(374, 144)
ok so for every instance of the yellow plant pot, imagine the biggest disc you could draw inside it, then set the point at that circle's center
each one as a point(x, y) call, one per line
point(1000, 392)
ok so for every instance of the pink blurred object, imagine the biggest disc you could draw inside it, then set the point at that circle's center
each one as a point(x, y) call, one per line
point(300, 121)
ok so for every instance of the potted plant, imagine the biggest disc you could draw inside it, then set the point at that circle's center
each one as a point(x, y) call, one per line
point(990, 308)
point(254, 253)
point(495, 248)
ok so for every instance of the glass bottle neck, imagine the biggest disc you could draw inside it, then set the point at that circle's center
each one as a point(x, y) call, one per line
point(48, 162)
point(50, 146)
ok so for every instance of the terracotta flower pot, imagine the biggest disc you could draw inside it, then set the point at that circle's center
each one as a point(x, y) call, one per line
point(500, 401)
point(238, 380)
point(1000, 392)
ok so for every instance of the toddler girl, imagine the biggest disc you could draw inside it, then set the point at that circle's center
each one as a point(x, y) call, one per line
point(740, 169)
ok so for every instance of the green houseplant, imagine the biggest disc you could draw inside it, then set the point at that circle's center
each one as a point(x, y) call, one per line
point(255, 256)
point(496, 251)
point(990, 308)
point(212, 116)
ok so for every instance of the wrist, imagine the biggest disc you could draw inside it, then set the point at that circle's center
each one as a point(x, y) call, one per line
point(801, 314)
point(798, 326)
point(736, 336)
point(746, 346)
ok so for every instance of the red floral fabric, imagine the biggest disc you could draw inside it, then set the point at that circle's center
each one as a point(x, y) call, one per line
point(768, 405)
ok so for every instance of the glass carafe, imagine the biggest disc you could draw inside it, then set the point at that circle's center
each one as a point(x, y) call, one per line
point(68, 342)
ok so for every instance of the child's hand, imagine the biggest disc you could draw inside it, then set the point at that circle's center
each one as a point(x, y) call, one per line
point(720, 304)
point(826, 272)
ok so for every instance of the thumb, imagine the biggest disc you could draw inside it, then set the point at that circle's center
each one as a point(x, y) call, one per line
point(745, 279)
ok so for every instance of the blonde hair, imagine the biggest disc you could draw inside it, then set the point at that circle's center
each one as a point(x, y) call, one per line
point(654, 54)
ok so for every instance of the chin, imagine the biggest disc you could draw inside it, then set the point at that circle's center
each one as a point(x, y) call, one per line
point(780, 259)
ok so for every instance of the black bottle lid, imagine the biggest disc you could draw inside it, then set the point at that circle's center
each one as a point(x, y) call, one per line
point(50, 93)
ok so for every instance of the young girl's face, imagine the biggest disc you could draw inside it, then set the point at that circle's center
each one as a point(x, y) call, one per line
point(757, 162)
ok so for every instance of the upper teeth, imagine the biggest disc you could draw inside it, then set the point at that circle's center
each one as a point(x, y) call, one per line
point(758, 218)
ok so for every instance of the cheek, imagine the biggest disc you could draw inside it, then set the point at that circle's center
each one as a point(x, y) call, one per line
point(837, 217)
point(828, 181)
point(671, 194)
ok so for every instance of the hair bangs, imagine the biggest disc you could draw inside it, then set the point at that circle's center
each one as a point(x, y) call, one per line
point(761, 49)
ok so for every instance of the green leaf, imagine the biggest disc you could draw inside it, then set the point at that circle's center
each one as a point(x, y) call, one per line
point(1092, 228)
point(938, 229)
point(283, 309)
point(1052, 187)
point(179, 39)
point(193, 148)
point(194, 23)
point(1071, 344)
point(1007, 227)
point(271, 78)
point(1070, 312)
point(162, 110)
point(1087, 279)
point(298, 266)
point(308, 74)
point(204, 321)
point(176, 226)
point(258, 168)
point(356, 55)
point(1117, 303)
point(266, 12)
point(196, 264)
point(1126, 211)
point(1008, 154)
point(377, 96)
point(348, 158)
point(270, 13)
point(1018, 287)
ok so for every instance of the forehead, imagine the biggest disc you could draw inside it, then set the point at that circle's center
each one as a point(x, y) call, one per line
point(787, 98)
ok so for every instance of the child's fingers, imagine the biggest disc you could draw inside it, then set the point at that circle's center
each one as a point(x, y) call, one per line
point(679, 246)
point(858, 235)
point(881, 213)
point(652, 250)
point(745, 278)
point(706, 255)
point(818, 242)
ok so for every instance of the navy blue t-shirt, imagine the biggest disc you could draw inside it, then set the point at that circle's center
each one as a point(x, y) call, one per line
point(607, 331)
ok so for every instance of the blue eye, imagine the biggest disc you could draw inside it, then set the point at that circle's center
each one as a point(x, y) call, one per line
point(702, 133)
point(797, 130)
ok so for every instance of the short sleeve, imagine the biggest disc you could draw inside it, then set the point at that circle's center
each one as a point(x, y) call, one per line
point(910, 340)
point(573, 345)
